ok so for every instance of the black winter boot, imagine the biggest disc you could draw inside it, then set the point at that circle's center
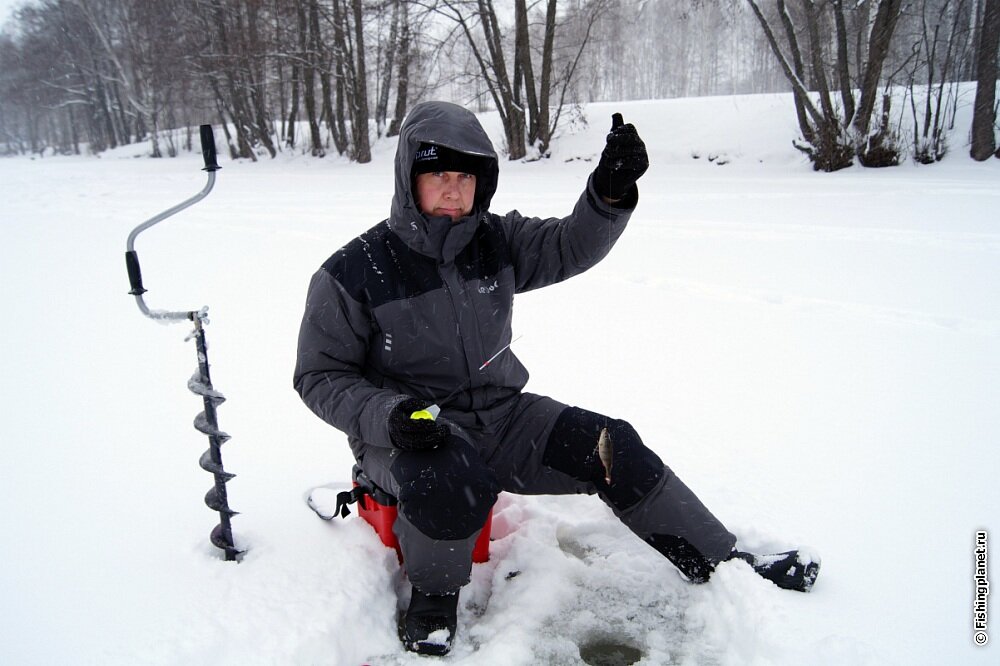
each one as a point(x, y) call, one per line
point(428, 627)
point(791, 570)
point(695, 567)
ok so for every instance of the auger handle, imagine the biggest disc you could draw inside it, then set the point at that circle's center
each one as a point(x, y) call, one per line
point(208, 148)
point(134, 273)
point(132, 258)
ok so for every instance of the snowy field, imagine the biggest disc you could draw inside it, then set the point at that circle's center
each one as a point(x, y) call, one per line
point(816, 355)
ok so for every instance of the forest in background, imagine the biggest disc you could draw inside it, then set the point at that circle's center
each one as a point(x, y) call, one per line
point(331, 76)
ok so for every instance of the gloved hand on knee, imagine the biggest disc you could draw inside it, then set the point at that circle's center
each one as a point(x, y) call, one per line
point(411, 434)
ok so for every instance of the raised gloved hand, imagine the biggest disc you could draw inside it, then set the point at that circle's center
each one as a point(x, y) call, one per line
point(412, 434)
point(623, 161)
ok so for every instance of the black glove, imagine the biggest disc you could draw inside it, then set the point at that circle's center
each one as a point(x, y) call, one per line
point(415, 434)
point(623, 161)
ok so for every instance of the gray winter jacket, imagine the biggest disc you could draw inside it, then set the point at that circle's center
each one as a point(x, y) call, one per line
point(415, 305)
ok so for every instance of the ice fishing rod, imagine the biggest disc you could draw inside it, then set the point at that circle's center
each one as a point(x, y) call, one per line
point(431, 412)
point(206, 422)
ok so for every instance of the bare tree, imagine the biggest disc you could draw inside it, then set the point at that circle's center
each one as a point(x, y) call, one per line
point(232, 64)
point(130, 38)
point(832, 139)
point(519, 82)
point(351, 94)
point(542, 123)
point(878, 48)
point(488, 51)
point(941, 27)
point(825, 144)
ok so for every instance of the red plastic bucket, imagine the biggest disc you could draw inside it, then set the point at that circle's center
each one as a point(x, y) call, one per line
point(382, 517)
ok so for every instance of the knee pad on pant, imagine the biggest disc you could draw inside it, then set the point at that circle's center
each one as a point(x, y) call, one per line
point(445, 493)
point(572, 449)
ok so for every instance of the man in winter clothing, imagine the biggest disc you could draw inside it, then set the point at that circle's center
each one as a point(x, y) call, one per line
point(413, 312)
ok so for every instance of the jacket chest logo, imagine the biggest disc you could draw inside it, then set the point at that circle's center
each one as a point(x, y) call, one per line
point(489, 288)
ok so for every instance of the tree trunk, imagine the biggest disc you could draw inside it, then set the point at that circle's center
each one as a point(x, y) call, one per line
point(864, 11)
point(816, 55)
point(514, 113)
point(74, 138)
point(794, 76)
point(321, 60)
point(255, 65)
point(843, 66)
point(799, 94)
point(279, 67)
point(326, 90)
point(308, 40)
point(237, 106)
point(878, 48)
point(340, 52)
point(359, 117)
point(293, 112)
point(382, 106)
point(105, 113)
point(523, 67)
point(545, 86)
point(403, 73)
point(984, 107)
point(593, 13)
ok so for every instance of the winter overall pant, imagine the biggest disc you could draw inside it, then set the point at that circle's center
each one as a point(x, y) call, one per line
point(543, 447)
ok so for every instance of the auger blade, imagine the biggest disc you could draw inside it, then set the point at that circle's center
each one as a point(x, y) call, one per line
point(210, 465)
point(211, 460)
point(202, 425)
point(216, 503)
point(197, 386)
point(222, 541)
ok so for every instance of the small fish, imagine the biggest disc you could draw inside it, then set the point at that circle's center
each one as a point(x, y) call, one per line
point(604, 453)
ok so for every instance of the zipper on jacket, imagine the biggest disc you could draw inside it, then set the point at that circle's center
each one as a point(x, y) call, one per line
point(443, 270)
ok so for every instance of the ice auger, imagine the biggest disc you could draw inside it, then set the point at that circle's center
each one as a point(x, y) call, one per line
point(200, 383)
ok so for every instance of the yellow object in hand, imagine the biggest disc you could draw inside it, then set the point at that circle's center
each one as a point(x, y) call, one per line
point(429, 414)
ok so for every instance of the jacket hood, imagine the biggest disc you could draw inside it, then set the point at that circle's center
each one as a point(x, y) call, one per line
point(449, 125)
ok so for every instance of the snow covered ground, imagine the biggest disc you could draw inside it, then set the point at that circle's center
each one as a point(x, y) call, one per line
point(816, 355)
